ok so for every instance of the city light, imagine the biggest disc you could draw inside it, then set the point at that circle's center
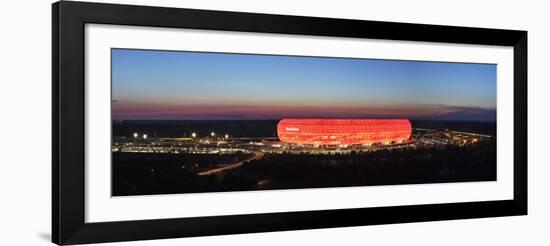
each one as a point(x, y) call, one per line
point(313, 136)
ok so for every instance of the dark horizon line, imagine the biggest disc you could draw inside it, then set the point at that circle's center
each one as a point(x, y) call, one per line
point(374, 118)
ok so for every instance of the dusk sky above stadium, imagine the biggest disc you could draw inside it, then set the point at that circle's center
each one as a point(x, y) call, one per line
point(169, 85)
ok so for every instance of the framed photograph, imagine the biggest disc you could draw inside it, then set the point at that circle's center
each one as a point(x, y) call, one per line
point(175, 122)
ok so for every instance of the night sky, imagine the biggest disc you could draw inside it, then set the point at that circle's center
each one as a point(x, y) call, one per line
point(164, 85)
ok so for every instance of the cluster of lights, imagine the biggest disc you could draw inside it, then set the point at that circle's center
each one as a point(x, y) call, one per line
point(136, 135)
point(212, 134)
point(194, 135)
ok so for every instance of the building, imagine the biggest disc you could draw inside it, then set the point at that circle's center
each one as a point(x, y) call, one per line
point(343, 132)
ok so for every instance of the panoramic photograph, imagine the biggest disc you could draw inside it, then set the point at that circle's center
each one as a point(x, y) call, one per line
point(190, 122)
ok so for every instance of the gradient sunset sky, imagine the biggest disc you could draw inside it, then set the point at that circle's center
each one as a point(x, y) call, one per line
point(179, 85)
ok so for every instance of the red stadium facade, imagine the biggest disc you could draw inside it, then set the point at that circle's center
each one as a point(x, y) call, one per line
point(343, 131)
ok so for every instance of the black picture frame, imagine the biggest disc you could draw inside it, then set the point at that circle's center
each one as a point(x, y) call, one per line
point(68, 172)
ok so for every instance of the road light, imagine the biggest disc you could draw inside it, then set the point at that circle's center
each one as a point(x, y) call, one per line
point(144, 136)
point(212, 134)
point(135, 135)
point(194, 135)
point(226, 136)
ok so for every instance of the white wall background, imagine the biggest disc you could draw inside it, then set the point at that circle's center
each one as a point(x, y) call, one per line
point(25, 59)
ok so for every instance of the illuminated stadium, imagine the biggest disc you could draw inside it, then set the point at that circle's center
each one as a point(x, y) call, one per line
point(344, 132)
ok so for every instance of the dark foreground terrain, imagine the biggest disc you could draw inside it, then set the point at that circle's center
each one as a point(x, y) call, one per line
point(161, 173)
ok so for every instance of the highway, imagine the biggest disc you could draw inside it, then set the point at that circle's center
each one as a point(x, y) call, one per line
point(257, 155)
